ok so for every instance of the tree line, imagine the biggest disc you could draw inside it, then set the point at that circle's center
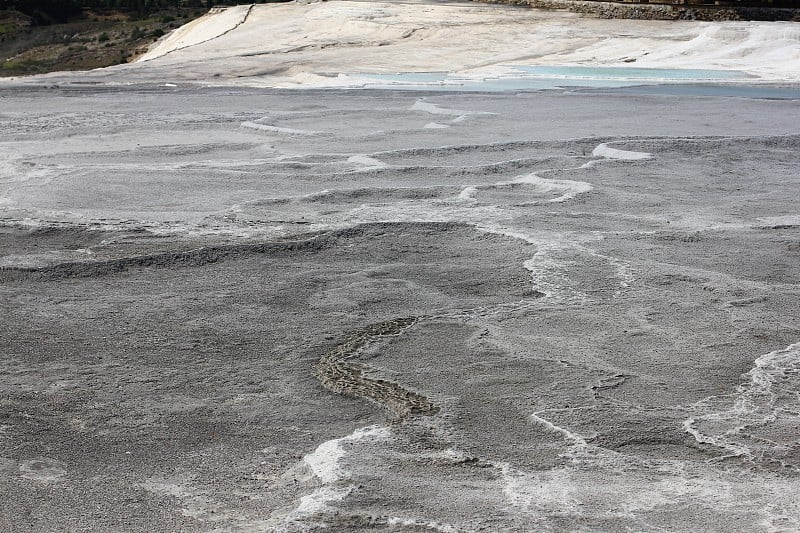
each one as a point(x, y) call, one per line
point(55, 11)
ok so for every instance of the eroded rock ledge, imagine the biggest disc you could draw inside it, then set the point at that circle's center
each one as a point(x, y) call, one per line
point(644, 11)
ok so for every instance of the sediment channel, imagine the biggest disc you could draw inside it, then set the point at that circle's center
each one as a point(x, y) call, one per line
point(338, 373)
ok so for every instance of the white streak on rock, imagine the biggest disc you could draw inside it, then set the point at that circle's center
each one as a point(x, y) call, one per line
point(740, 423)
point(277, 129)
point(367, 162)
point(573, 439)
point(320, 500)
point(548, 273)
point(542, 491)
point(459, 114)
point(782, 220)
point(433, 109)
point(324, 461)
point(569, 189)
point(325, 464)
point(603, 150)
point(42, 469)
point(397, 521)
point(468, 194)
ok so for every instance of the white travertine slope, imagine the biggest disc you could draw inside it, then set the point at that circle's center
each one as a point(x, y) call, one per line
point(330, 43)
point(210, 26)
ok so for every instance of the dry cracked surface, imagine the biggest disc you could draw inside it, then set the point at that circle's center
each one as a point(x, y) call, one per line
point(261, 310)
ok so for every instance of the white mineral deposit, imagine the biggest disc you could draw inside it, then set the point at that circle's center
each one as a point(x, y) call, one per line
point(406, 266)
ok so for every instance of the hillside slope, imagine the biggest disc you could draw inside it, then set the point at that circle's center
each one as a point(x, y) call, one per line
point(332, 43)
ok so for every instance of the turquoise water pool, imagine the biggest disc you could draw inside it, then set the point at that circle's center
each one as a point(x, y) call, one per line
point(632, 79)
point(632, 73)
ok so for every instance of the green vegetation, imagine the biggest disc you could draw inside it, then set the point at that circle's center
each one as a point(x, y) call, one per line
point(97, 39)
point(60, 11)
point(38, 36)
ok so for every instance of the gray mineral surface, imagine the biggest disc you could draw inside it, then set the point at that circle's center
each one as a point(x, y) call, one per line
point(240, 309)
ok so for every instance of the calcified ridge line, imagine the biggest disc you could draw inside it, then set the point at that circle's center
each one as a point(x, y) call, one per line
point(337, 373)
point(199, 256)
point(600, 140)
point(754, 403)
point(573, 439)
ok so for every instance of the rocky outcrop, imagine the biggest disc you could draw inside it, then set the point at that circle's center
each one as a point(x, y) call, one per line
point(636, 10)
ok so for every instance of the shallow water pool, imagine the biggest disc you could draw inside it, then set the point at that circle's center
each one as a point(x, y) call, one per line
point(699, 82)
point(631, 73)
